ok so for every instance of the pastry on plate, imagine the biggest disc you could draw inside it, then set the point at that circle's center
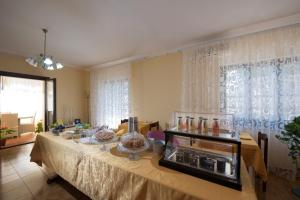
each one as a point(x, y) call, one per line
point(104, 135)
point(133, 143)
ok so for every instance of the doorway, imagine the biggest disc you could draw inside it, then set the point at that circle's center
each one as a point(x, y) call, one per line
point(25, 102)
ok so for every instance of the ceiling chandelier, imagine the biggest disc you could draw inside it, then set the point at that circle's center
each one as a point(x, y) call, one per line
point(44, 61)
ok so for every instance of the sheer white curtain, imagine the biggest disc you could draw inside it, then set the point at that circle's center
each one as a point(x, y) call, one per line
point(110, 95)
point(22, 96)
point(255, 77)
point(200, 78)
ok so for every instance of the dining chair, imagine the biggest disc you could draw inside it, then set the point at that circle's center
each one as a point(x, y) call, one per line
point(264, 137)
point(154, 125)
point(124, 121)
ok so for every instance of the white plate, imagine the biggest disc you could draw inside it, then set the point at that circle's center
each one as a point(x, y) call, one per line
point(88, 140)
point(93, 140)
point(114, 139)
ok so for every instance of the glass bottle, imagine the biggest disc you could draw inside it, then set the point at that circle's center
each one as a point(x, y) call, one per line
point(130, 125)
point(179, 123)
point(200, 125)
point(205, 126)
point(187, 125)
point(192, 128)
point(215, 127)
point(192, 125)
point(133, 124)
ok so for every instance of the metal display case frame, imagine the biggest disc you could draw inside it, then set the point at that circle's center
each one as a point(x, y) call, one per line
point(234, 183)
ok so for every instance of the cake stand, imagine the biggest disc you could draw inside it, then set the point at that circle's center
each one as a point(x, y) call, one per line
point(88, 140)
point(103, 143)
point(133, 154)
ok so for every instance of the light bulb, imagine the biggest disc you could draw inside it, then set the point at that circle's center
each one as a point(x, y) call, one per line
point(48, 61)
point(50, 67)
point(59, 65)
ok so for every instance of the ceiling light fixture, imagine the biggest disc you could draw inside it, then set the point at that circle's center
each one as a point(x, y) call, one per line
point(44, 61)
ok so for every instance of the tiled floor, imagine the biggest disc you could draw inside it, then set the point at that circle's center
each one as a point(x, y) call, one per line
point(277, 189)
point(21, 179)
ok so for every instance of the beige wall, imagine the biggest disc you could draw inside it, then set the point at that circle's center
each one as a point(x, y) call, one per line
point(72, 84)
point(156, 87)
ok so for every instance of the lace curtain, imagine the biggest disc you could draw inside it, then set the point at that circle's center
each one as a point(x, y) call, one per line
point(110, 95)
point(200, 79)
point(262, 95)
point(255, 77)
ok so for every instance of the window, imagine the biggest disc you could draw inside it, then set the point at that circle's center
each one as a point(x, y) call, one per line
point(114, 102)
point(109, 95)
point(261, 95)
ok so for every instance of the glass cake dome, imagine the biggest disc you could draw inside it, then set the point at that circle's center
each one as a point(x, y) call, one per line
point(133, 142)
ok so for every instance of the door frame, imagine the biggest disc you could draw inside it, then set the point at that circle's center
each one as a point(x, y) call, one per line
point(42, 78)
point(46, 102)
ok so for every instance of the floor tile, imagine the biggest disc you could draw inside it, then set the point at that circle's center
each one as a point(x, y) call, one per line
point(54, 193)
point(6, 187)
point(26, 172)
point(9, 178)
point(27, 197)
point(19, 159)
point(16, 194)
point(4, 163)
point(10, 151)
point(7, 170)
point(36, 182)
point(24, 164)
point(20, 166)
point(23, 180)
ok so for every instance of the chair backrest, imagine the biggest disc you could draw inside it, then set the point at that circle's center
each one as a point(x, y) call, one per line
point(154, 125)
point(33, 118)
point(9, 120)
point(27, 119)
point(124, 121)
point(264, 137)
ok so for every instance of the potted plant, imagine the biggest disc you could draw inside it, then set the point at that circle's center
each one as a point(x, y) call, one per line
point(39, 127)
point(291, 136)
point(3, 132)
point(80, 128)
point(57, 127)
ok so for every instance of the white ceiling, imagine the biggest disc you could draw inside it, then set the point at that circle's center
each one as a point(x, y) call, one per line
point(89, 32)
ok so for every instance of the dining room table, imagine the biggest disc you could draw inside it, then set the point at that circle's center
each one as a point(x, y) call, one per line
point(111, 175)
point(253, 156)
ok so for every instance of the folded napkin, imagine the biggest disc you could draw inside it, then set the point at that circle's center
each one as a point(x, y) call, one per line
point(245, 136)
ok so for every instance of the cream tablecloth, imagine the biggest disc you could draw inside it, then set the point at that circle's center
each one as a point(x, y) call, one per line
point(110, 175)
point(252, 155)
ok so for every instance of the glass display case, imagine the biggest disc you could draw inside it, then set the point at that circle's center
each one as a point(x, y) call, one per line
point(204, 154)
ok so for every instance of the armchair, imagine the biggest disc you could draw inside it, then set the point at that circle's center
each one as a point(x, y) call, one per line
point(10, 120)
point(26, 124)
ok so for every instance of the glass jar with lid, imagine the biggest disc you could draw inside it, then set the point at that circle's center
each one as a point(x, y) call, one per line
point(215, 127)
point(205, 126)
